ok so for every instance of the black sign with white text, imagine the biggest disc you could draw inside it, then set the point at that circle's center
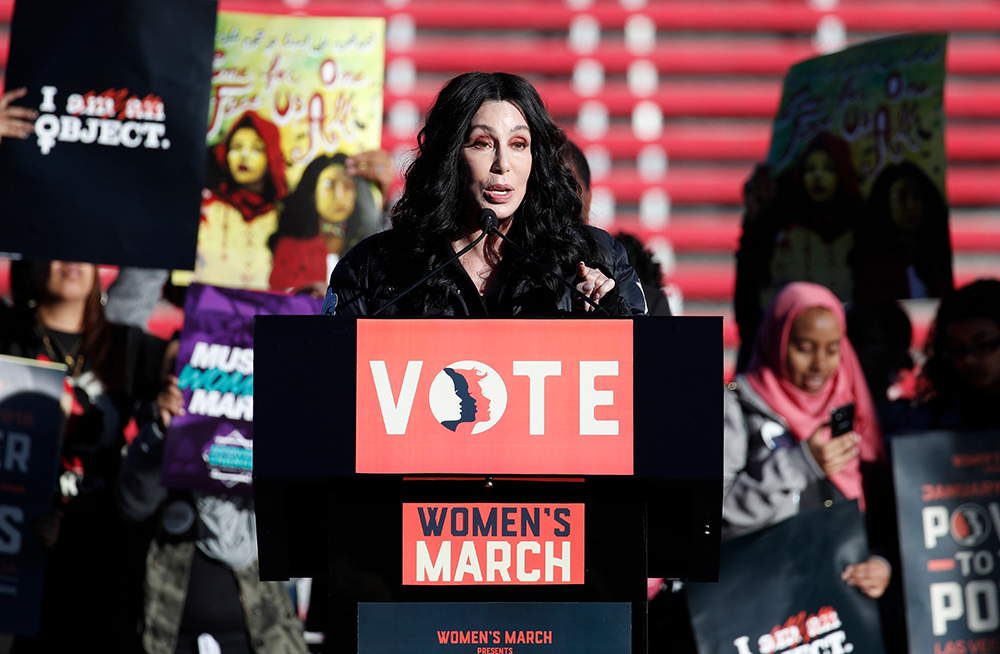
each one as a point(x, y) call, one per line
point(948, 501)
point(780, 591)
point(114, 171)
point(30, 423)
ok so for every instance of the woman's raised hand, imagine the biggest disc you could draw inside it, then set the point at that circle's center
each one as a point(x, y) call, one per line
point(373, 165)
point(595, 284)
point(871, 577)
point(169, 402)
point(833, 454)
point(16, 122)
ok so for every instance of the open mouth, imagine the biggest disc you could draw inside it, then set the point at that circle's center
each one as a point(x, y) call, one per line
point(813, 383)
point(498, 193)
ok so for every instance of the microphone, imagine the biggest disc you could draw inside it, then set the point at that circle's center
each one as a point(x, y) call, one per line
point(488, 223)
point(487, 219)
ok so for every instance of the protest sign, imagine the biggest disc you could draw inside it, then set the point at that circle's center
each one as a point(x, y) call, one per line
point(31, 424)
point(780, 592)
point(454, 544)
point(948, 501)
point(512, 391)
point(495, 628)
point(114, 171)
point(858, 156)
point(291, 98)
point(211, 447)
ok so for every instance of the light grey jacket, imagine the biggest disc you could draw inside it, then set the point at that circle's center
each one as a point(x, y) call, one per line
point(769, 475)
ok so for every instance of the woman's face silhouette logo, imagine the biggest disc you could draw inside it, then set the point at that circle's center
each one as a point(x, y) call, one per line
point(468, 397)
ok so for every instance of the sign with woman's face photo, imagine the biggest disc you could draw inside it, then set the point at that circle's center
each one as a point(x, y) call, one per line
point(292, 98)
point(858, 158)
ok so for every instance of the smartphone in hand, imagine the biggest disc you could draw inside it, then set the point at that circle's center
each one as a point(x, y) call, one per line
point(842, 419)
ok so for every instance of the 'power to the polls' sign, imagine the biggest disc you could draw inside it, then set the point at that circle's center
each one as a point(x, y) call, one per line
point(948, 500)
point(463, 544)
point(501, 396)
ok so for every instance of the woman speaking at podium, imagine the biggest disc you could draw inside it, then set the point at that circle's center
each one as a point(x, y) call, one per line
point(488, 181)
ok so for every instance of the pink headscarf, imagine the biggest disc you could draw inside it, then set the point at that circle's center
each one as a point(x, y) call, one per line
point(803, 411)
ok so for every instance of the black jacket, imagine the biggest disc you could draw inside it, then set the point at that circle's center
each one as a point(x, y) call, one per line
point(363, 285)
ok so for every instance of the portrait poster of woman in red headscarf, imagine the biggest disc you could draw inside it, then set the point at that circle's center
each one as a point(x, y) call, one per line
point(292, 99)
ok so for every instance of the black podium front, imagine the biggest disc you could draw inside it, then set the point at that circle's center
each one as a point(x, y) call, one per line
point(318, 516)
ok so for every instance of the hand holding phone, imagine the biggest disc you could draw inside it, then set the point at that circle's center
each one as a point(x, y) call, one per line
point(836, 452)
point(842, 420)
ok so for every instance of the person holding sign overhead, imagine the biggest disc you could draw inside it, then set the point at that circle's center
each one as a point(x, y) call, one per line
point(58, 316)
point(797, 226)
point(782, 454)
point(488, 151)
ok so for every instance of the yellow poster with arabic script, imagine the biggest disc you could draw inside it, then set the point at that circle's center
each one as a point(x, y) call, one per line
point(293, 98)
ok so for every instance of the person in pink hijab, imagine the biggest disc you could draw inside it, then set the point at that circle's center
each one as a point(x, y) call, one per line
point(780, 454)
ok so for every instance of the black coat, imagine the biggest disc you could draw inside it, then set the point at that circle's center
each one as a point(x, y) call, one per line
point(363, 285)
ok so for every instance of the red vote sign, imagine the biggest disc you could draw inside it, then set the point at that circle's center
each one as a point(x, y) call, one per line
point(494, 397)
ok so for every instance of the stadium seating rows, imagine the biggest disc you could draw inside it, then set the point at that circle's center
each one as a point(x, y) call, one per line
point(690, 86)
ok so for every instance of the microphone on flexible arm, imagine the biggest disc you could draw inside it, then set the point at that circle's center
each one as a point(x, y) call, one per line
point(488, 223)
point(485, 225)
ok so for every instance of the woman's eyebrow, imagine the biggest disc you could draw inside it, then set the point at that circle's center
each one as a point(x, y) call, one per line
point(489, 129)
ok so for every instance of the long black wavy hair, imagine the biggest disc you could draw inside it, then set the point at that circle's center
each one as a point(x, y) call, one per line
point(939, 379)
point(300, 219)
point(434, 209)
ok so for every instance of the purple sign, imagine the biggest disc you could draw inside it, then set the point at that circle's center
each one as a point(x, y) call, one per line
point(211, 447)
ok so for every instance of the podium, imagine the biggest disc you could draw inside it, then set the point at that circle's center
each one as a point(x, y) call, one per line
point(429, 467)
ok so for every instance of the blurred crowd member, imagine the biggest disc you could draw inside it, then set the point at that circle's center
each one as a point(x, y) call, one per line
point(577, 162)
point(881, 334)
point(649, 272)
point(133, 295)
point(959, 386)
point(796, 227)
point(58, 316)
point(780, 457)
point(903, 241)
point(202, 590)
